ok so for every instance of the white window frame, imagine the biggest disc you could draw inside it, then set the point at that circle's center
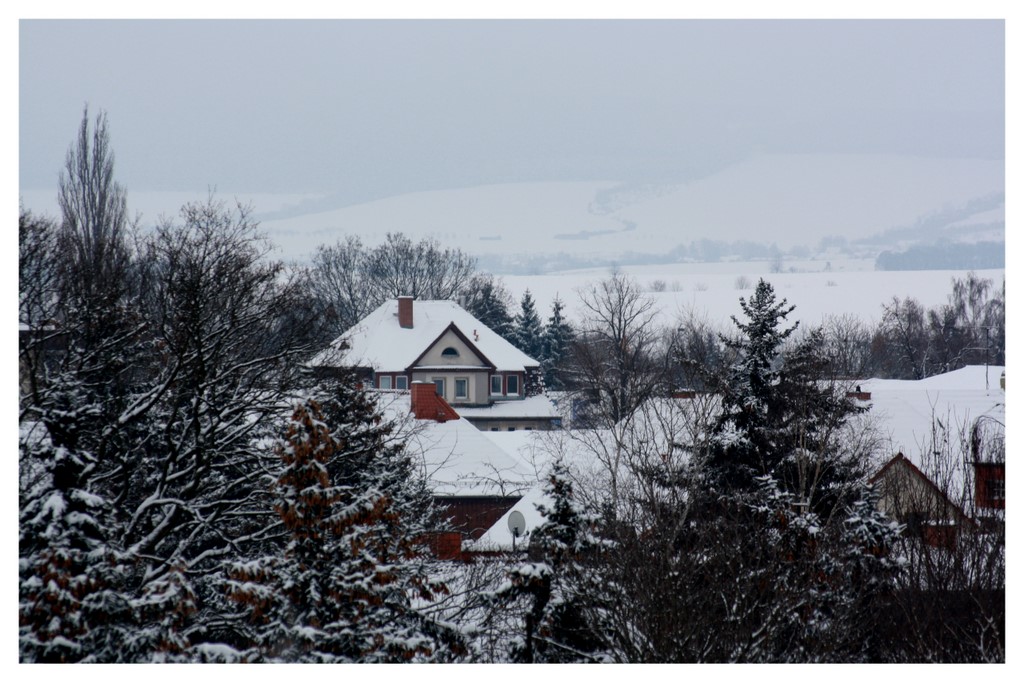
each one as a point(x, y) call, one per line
point(442, 387)
point(384, 382)
point(501, 385)
point(508, 382)
point(465, 383)
point(402, 382)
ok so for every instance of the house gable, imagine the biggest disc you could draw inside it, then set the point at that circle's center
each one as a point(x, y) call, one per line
point(438, 353)
point(906, 492)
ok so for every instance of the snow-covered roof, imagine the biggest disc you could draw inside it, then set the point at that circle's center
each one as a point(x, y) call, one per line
point(529, 407)
point(905, 409)
point(533, 448)
point(379, 342)
point(457, 458)
point(499, 537)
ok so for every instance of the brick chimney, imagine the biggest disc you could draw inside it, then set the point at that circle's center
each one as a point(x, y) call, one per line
point(427, 405)
point(405, 312)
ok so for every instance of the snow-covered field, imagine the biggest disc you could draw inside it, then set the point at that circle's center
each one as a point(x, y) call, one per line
point(786, 199)
point(712, 289)
point(783, 199)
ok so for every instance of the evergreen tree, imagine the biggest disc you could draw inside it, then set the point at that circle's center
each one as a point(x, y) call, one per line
point(558, 335)
point(819, 467)
point(781, 416)
point(747, 444)
point(559, 589)
point(341, 589)
point(73, 606)
point(864, 574)
point(528, 331)
point(489, 302)
point(162, 613)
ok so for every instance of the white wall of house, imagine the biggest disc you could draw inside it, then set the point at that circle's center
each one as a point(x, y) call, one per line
point(449, 340)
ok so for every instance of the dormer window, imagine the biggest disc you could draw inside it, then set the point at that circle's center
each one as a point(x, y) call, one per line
point(450, 352)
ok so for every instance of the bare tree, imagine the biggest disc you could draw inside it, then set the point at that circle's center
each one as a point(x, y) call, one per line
point(699, 358)
point(37, 301)
point(338, 279)
point(423, 270)
point(903, 332)
point(969, 328)
point(618, 358)
point(848, 346)
point(94, 227)
point(350, 280)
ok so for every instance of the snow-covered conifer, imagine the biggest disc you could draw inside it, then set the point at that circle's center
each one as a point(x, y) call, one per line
point(72, 602)
point(528, 331)
point(560, 589)
point(342, 588)
point(782, 415)
point(558, 335)
point(489, 302)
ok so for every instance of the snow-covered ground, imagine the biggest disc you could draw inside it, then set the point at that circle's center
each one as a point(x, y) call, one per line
point(712, 290)
point(771, 198)
point(786, 199)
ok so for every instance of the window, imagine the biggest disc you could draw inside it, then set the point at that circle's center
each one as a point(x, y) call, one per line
point(439, 383)
point(495, 385)
point(511, 429)
point(461, 387)
point(996, 489)
point(513, 385)
point(384, 382)
point(450, 352)
point(402, 382)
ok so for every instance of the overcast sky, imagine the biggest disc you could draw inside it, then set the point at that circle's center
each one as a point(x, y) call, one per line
point(369, 109)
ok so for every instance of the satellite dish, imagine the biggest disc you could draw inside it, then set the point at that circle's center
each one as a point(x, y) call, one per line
point(517, 524)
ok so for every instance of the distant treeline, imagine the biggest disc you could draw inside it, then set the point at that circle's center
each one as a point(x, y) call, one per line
point(699, 251)
point(947, 256)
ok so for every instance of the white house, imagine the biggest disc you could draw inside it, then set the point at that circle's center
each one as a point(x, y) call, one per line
point(486, 379)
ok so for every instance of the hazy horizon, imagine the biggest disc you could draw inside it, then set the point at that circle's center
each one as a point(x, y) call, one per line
point(363, 110)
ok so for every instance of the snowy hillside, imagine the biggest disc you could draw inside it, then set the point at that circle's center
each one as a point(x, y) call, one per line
point(789, 200)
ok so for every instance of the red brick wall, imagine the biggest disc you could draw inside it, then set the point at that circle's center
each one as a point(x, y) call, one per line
point(405, 312)
point(446, 545)
point(472, 516)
